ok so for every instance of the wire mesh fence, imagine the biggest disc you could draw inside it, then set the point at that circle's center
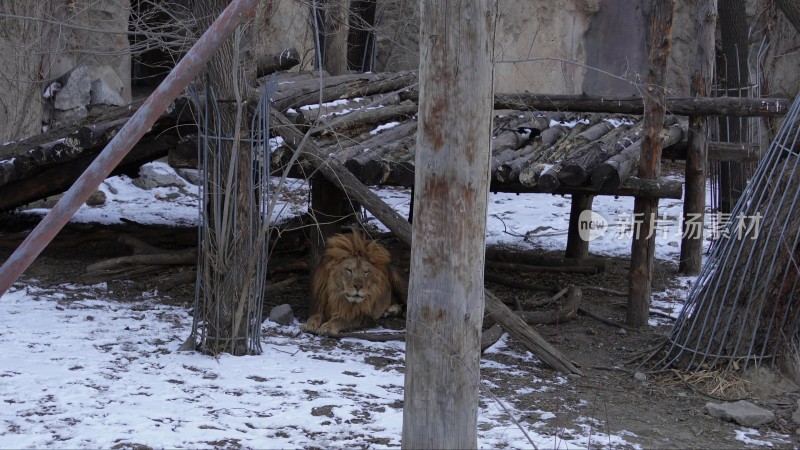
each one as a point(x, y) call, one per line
point(743, 307)
point(234, 228)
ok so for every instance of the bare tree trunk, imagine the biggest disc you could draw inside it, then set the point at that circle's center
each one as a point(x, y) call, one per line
point(446, 297)
point(336, 30)
point(645, 209)
point(225, 283)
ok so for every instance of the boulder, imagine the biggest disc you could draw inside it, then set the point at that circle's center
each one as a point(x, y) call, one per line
point(107, 88)
point(75, 90)
point(155, 175)
point(742, 412)
point(282, 314)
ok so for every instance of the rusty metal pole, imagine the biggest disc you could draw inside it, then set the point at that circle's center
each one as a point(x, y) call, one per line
point(188, 67)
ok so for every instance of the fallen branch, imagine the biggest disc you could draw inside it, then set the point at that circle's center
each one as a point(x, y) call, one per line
point(561, 315)
point(600, 318)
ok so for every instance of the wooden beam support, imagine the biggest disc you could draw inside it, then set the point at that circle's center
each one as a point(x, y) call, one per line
point(577, 247)
point(679, 106)
point(697, 154)
point(646, 209)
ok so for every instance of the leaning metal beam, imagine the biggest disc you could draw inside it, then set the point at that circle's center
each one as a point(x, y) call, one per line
point(177, 80)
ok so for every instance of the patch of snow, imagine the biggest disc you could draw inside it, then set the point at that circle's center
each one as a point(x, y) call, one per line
point(385, 126)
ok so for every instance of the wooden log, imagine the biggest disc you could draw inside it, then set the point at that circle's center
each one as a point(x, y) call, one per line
point(563, 314)
point(526, 335)
point(617, 169)
point(375, 166)
point(334, 170)
point(515, 267)
point(633, 187)
point(283, 60)
point(56, 179)
point(56, 133)
point(85, 139)
point(548, 161)
point(716, 151)
point(307, 92)
point(373, 141)
point(529, 258)
point(681, 106)
point(180, 257)
point(508, 171)
point(643, 246)
point(549, 179)
point(355, 121)
point(576, 170)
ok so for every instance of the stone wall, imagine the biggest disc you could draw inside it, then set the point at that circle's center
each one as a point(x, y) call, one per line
point(588, 46)
point(53, 71)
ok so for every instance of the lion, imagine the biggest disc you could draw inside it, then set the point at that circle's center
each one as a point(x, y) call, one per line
point(354, 284)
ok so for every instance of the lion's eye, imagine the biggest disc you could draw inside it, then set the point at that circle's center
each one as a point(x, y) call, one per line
point(366, 273)
point(349, 271)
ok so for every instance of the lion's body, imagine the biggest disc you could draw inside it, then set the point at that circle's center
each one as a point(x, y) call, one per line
point(352, 285)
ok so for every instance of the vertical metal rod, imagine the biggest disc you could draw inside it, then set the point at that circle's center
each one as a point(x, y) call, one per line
point(134, 129)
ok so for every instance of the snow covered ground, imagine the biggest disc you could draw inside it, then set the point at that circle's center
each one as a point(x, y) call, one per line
point(98, 373)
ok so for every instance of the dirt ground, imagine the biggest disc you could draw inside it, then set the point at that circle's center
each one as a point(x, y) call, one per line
point(662, 409)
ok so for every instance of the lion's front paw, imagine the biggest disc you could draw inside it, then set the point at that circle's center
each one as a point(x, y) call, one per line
point(394, 310)
point(312, 324)
point(329, 329)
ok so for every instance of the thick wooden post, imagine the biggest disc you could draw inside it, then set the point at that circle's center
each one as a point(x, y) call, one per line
point(337, 14)
point(694, 204)
point(446, 297)
point(577, 247)
point(646, 209)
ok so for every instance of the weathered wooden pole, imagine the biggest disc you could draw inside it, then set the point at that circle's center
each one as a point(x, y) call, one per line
point(446, 297)
point(646, 209)
point(188, 67)
point(577, 247)
point(694, 204)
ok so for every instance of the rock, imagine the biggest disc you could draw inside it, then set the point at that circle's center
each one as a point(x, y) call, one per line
point(640, 376)
point(98, 198)
point(70, 115)
point(282, 314)
point(742, 412)
point(106, 87)
point(193, 176)
point(75, 91)
point(155, 175)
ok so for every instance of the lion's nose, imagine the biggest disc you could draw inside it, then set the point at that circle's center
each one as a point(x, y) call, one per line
point(358, 286)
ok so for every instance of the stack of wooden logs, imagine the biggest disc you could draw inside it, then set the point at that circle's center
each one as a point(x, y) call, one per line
point(368, 123)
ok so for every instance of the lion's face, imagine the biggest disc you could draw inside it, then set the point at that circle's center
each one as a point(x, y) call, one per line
point(356, 278)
